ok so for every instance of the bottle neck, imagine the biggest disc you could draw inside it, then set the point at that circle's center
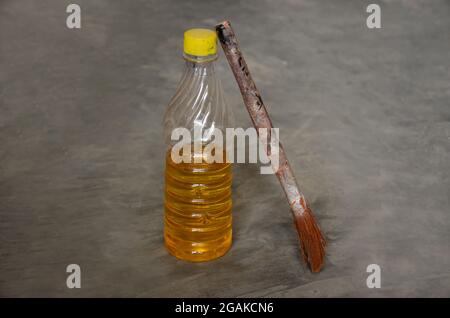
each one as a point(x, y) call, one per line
point(200, 69)
point(200, 65)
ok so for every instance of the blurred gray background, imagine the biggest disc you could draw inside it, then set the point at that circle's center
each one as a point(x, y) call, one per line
point(364, 115)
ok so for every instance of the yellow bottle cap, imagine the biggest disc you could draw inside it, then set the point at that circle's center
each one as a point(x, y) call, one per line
point(200, 42)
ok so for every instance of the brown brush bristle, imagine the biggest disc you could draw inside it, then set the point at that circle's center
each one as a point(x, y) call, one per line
point(311, 239)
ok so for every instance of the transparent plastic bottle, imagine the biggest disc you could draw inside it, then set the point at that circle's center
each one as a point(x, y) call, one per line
point(198, 220)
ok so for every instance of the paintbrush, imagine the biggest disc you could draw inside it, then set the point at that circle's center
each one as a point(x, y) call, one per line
point(312, 241)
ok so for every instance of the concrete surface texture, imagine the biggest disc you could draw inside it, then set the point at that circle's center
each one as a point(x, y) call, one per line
point(364, 115)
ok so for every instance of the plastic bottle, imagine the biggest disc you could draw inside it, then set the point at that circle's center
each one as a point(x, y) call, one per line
point(198, 220)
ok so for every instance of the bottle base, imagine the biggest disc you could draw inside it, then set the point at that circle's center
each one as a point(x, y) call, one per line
point(197, 251)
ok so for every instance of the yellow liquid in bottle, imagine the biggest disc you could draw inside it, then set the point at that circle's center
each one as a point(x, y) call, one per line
point(197, 223)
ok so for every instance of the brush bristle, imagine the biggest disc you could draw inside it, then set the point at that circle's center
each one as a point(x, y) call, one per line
point(311, 239)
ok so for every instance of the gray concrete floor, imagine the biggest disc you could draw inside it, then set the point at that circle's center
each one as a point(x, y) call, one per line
point(364, 115)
